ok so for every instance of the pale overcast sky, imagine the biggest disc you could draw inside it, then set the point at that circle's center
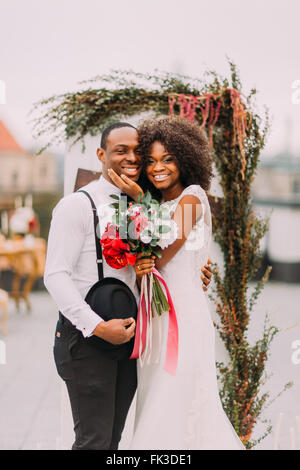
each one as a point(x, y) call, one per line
point(48, 46)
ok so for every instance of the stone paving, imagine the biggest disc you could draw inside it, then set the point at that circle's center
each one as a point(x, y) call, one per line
point(30, 389)
point(282, 304)
point(29, 384)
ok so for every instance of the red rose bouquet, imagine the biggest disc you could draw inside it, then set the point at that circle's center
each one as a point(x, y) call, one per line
point(115, 251)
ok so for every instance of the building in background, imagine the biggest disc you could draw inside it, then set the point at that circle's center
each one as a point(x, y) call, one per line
point(276, 192)
point(28, 179)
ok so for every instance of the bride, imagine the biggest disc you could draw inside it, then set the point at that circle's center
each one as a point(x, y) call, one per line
point(181, 411)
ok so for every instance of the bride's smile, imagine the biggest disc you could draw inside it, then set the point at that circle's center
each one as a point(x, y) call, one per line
point(163, 172)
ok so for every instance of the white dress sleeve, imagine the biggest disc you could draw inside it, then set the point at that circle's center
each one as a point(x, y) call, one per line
point(200, 235)
point(199, 239)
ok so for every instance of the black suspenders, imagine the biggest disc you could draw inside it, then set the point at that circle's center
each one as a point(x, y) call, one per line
point(99, 259)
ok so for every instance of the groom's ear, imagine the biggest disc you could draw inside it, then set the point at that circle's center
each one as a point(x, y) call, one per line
point(101, 155)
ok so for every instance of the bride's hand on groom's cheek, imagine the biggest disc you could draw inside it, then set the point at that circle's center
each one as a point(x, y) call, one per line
point(126, 185)
point(206, 276)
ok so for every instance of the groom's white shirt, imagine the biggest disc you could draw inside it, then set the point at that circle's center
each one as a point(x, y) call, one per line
point(71, 267)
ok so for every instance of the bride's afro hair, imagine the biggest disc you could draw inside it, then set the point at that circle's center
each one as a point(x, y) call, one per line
point(185, 141)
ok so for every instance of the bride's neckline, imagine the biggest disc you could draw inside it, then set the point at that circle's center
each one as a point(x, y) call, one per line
point(175, 199)
point(170, 200)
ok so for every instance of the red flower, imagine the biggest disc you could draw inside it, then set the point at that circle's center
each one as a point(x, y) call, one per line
point(140, 222)
point(110, 232)
point(33, 225)
point(115, 251)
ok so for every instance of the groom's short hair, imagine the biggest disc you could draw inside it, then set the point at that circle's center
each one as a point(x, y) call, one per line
point(107, 131)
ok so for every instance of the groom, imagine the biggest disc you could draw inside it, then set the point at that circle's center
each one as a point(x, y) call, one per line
point(101, 386)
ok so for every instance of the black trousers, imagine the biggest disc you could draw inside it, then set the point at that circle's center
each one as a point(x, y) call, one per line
point(101, 386)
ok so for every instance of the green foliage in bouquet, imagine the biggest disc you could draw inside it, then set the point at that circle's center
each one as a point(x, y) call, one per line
point(237, 135)
point(145, 240)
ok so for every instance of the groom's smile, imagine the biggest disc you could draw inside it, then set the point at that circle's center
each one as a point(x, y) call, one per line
point(120, 153)
point(131, 171)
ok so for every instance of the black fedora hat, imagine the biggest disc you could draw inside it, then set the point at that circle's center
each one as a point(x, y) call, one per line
point(111, 298)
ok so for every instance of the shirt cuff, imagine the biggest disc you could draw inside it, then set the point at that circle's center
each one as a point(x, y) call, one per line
point(91, 320)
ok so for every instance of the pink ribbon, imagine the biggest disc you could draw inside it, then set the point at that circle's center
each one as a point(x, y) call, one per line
point(172, 341)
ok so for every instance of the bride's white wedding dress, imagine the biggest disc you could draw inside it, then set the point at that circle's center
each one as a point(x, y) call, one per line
point(184, 411)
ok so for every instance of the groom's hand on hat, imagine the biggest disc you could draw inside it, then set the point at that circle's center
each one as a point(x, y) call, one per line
point(116, 331)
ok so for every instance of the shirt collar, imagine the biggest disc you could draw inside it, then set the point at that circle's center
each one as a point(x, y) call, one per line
point(108, 187)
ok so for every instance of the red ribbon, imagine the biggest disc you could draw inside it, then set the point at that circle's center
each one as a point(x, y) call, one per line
point(172, 341)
